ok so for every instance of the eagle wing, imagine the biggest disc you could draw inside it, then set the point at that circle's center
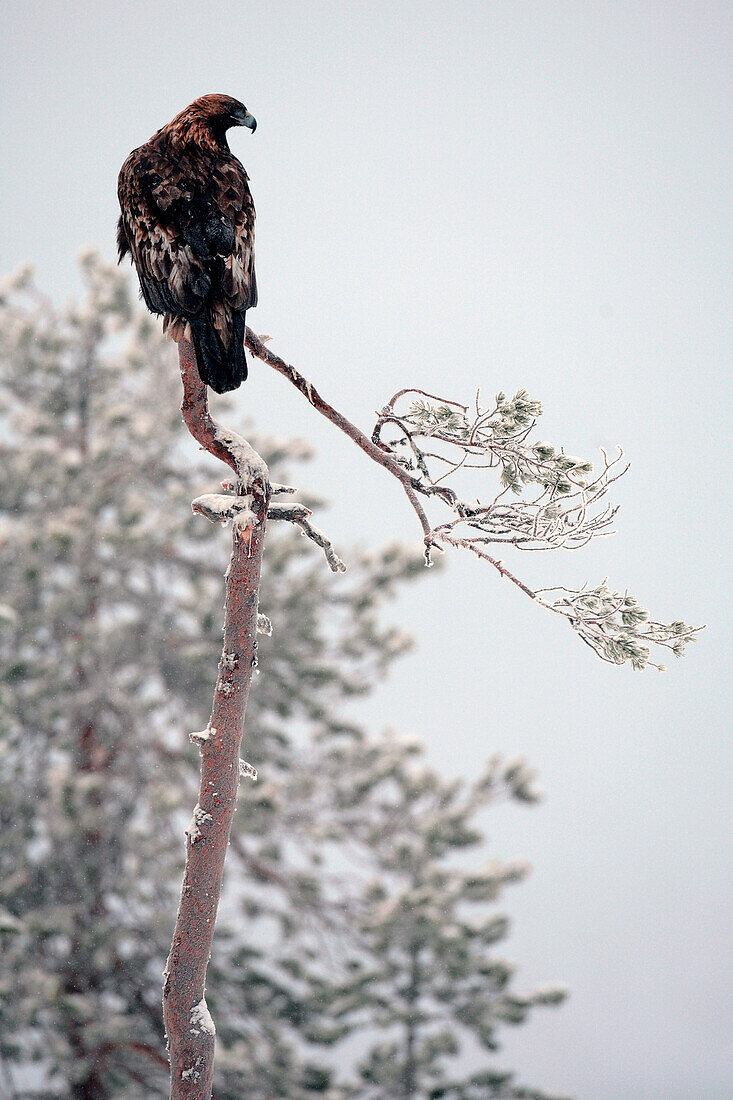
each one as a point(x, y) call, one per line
point(189, 224)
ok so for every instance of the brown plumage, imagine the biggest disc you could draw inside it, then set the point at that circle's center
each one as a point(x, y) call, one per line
point(188, 222)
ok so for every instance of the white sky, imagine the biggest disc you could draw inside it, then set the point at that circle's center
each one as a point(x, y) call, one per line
point(501, 194)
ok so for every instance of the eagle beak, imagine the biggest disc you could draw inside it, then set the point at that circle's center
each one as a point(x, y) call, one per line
point(249, 121)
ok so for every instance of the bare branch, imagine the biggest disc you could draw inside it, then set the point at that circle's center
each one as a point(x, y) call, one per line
point(298, 514)
point(472, 545)
point(257, 347)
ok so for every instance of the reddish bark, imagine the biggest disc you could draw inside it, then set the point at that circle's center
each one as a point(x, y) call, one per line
point(190, 1040)
point(376, 452)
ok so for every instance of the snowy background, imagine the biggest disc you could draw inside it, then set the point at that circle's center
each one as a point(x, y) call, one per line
point(506, 195)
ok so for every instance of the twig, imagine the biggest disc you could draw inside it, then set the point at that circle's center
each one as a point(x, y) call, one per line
point(469, 544)
point(298, 514)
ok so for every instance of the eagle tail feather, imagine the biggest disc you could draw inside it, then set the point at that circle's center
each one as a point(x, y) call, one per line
point(223, 369)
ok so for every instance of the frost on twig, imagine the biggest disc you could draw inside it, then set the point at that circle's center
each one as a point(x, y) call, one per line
point(298, 514)
point(616, 627)
point(246, 771)
point(546, 500)
point(202, 736)
point(200, 818)
point(264, 625)
point(201, 1019)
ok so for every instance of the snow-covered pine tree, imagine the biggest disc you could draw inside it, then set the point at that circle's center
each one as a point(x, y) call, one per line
point(110, 621)
point(426, 985)
point(108, 644)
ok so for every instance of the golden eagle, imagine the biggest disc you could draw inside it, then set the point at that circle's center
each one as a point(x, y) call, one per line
point(188, 222)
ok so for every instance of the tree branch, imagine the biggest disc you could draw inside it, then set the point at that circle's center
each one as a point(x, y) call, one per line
point(257, 346)
point(189, 1027)
point(564, 513)
point(298, 514)
point(227, 445)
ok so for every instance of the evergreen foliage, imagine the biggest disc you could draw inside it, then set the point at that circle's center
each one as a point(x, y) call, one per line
point(425, 982)
point(547, 500)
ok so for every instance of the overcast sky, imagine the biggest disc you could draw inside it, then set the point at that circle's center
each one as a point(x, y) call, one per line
point(496, 194)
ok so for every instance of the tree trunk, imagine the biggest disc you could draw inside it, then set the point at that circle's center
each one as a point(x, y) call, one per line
point(189, 1027)
point(409, 1083)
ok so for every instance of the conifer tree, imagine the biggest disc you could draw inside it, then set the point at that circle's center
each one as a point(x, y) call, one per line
point(110, 626)
point(425, 982)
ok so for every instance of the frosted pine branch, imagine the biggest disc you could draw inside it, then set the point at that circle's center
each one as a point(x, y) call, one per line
point(616, 627)
point(549, 520)
point(546, 499)
point(438, 440)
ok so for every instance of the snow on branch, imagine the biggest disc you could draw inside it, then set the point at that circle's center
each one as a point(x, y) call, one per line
point(545, 499)
point(221, 509)
point(616, 627)
point(437, 439)
point(298, 514)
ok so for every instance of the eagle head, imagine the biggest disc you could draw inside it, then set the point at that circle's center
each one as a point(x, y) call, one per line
point(210, 115)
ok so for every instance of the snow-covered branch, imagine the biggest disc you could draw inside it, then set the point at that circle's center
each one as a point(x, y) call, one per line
point(298, 514)
point(545, 499)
